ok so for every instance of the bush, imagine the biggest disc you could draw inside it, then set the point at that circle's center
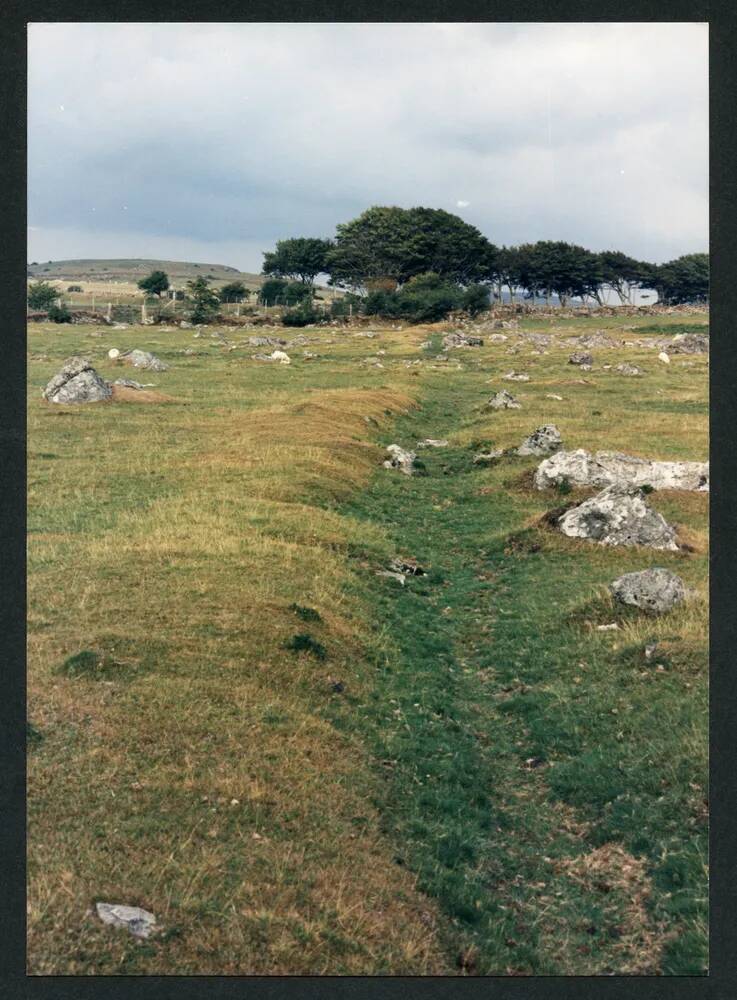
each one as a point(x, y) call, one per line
point(427, 298)
point(475, 299)
point(41, 295)
point(59, 314)
point(301, 316)
point(74, 288)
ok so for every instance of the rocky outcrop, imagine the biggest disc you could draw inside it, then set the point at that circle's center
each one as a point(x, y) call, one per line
point(543, 441)
point(611, 468)
point(77, 382)
point(460, 339)
point(618, 516)
point(654, 590)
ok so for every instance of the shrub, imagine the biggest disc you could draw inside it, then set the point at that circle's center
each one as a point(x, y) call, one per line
point(304, 643)
point(59, 314)
point(301, 316)
point(475, 299)
point(41, 295)
point(74, 288)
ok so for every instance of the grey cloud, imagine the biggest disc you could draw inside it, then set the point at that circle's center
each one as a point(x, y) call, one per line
point(228, 137)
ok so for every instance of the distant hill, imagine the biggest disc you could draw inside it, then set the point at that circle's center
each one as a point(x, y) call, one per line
point(131, 270)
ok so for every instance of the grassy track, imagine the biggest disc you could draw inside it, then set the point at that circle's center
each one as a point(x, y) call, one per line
point(301, 767)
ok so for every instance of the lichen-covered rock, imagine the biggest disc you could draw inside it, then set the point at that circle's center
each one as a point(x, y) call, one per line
point(689, 343)
point(655, 590)
point(487, 457)
point(400, 458)
point(503, 400)
point(432, 443)
point(543, 441)
point(618, 516)
point(281, 356)
point(627, 369)
point(516, 377)
point(144, 359)
point(77, 382)
point(581, 358)
point(611, 468)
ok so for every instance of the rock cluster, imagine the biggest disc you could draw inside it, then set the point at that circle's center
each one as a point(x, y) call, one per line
point(627, 369)
point(581, 358)
point(143, 359)
point(611, 468)
point(460, 339)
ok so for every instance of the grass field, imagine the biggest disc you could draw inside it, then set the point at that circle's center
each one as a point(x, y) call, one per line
point(303, 768)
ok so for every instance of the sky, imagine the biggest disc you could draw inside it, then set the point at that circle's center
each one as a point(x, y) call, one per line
point(209, 142)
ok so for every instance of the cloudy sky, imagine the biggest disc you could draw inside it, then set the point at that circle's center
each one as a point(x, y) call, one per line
point(209, 142)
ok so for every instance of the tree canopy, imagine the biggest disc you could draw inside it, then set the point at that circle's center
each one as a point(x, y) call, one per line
point(302, 259)
point(205, 300)
point(155, 283)
point(234, 291)
point(391, 244)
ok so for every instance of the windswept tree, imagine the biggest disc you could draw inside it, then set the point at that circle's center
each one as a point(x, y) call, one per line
point(622, 273)
point(302, 259)
point(386, 246)
point(155, 283)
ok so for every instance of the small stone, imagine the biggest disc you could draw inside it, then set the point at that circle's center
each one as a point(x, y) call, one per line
point(113, 353)
point(516, 377)
point(503, 400)
point(432, 443)
point(627, 369)
point(581, 358)
point(664, 358)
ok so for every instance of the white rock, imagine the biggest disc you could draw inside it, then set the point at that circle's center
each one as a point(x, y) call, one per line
point(432, 443)
point(664, 358)
point(618, 516)
point(138, 922)
point(400, 459)
point(113, 353)
point(280, 356)
point(607, 468)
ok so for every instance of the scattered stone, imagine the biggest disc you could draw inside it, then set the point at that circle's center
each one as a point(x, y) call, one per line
point(581, 359)
point(664, 358)
point(460, 339)
point(407, 567)
point(552, 395)
point(516, 377)
point(655, 590)
point(77, 382)
point(184, 325)
point(498, 338)
point(365, 333)
point(487, 457)
point(543, 441)
point(120, 326)
point(144, 359)
point(113, 353)
point(266, 342)
point(627, 369)
point(612, 627)
point(609, 468)
point(140, 923)
point(400, 459)
point(432, 443)
point(618, 516)
point(132, 384)
point(281, 357)
point(503, 400)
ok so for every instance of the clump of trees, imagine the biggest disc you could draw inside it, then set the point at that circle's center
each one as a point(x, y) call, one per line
point(423, 263)
point(277, 291)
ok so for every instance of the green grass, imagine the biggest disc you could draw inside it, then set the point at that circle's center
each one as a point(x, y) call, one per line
point(302, 767)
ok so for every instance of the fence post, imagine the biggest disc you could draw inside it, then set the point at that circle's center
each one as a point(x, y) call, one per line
point(143, 313)
point(109, 312)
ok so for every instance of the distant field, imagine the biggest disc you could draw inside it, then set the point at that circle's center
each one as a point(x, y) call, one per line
point(304, 768)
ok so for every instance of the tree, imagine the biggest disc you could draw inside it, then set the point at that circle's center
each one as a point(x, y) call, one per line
point(302, 258)
point(277, 291)
point(41, 295)
point(620, 272)
point(235, 291)
point(205, 299)
point(390, 245)
point(155, 284)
